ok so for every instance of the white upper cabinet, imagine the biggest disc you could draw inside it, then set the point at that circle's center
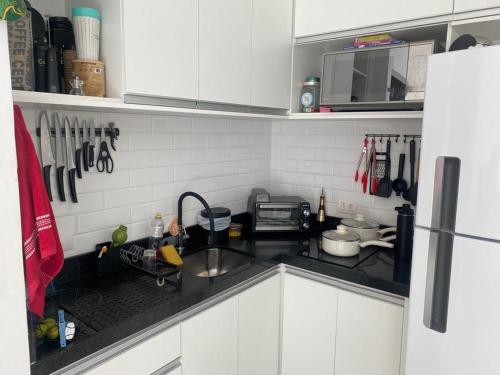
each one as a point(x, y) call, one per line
point(225, 51)
point(369, 336)
point(468, 5)
point(271, 53)
point(309, 326)
point(259, 328)
point(160, 43)
point(314, 17)
point(209, 341)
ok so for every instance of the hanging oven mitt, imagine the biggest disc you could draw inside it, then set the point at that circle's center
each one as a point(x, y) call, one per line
point(11, 10)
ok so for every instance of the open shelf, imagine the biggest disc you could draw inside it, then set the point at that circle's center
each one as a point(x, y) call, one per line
point(308, 55)
point(486, 27)
point(372, 115)
point(92, 104)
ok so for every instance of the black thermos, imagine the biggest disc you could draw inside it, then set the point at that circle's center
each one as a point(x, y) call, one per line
point(40, 57)
point(53, 71)
point(404, 234)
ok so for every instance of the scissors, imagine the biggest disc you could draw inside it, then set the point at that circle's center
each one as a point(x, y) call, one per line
point(104, 160)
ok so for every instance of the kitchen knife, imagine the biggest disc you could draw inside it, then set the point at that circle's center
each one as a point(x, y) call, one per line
point(59, 158)
point(78, 147)
point(92, 143)
point(46, 151)
point(85, 146)
point(70, 162)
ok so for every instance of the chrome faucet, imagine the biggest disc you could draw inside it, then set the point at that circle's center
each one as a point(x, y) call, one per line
point(180, 245)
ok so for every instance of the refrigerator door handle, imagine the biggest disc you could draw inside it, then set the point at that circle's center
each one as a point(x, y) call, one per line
point(439, 262)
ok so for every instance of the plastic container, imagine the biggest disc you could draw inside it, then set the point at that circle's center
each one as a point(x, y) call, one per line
point(149, 259)
point(222, 219)
point(309, 95)
point(86, 26)
point(156, 233)
point(92, 73)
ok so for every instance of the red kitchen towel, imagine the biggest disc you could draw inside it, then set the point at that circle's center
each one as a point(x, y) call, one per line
point(43, 252)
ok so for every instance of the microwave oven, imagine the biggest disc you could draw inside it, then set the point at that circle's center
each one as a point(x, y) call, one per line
point(278, 213)
point(376, 77)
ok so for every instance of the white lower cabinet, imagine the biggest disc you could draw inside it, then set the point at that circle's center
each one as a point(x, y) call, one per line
point(259, 328)
point(146, 357)
point(369, 336)
point(309, 327)
point(209, 340)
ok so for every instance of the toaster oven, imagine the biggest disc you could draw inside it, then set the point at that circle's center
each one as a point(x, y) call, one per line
point(278, 213)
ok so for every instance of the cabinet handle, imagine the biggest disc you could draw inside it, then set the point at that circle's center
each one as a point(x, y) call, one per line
point(165, 370)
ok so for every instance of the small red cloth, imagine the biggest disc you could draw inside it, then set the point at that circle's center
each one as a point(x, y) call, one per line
point(43, 252)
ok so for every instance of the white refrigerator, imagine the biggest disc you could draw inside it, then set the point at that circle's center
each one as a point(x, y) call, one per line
point(454, 309)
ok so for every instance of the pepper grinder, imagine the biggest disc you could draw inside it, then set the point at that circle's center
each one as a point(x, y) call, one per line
point(404, 233)
point(321, 210)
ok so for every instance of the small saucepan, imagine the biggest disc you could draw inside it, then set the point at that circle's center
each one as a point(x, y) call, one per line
point(343, 243)
point(367, 229)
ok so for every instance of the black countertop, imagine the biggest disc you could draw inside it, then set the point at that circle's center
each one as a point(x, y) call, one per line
point(107, 310)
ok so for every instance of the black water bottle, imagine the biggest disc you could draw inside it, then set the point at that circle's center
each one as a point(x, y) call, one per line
point(52, 71)
point(404, 234)
point(40, 57)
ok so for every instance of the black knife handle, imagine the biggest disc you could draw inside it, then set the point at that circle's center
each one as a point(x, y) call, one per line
point(91, 156)
point(85, 148)
point(78, 162)
point(60, 184)
point(412, 162)
point(46, 179)
point(72, 186)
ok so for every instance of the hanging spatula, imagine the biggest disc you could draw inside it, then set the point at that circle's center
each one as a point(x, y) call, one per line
point(384, 188)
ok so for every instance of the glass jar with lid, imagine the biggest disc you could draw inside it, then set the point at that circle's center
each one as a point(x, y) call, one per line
point(309, 95)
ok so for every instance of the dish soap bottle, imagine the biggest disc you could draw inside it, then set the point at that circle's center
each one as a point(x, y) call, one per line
point(156, 236)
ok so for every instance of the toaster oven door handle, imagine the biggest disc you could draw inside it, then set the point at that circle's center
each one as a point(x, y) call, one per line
point(271, 206)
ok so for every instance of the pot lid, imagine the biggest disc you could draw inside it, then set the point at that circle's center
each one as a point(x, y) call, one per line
point(360, 222)
point(341, 234)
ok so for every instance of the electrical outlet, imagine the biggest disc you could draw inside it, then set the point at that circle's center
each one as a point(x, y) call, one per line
point(344, 207)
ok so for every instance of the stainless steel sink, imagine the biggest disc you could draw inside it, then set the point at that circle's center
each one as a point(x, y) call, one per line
point(213, 262)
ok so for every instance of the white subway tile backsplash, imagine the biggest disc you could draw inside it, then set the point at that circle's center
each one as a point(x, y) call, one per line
point(147, 211)
point(128, 122)
point(315, 167)
point(195, 140)
point(172, 124)
point(170, 158)
point(102, 219)
point(128, 197)
point(157, 159)
point(323, 154)
point(208, 155)
point(151, 141)
point(95, 181)
point(132, 159)
point(160, 157)
point(208, 125)
point(66, 226)
point(150, 176)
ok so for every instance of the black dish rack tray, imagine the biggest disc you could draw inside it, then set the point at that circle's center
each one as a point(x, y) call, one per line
point(131, 255)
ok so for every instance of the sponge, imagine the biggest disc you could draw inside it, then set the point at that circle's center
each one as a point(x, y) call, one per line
point(170, 255)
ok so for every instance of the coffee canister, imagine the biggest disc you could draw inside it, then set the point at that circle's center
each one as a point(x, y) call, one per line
point(92, 74)
point(86, 26)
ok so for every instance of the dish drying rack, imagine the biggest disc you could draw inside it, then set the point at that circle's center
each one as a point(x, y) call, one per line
point(132, 256)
